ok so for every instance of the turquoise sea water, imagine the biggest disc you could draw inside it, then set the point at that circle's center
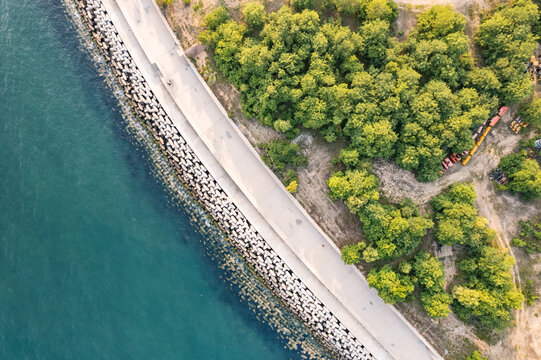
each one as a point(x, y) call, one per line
point(97, 259)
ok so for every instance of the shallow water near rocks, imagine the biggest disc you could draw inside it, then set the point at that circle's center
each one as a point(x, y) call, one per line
point(102, 254)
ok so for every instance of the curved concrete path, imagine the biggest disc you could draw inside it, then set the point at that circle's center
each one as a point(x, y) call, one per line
point(257, 192)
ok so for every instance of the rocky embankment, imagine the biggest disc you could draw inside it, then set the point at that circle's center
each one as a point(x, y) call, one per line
point(253, 248)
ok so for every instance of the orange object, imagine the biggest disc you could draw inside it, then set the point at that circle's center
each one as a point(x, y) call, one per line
point(503, 110)
point(494, 120)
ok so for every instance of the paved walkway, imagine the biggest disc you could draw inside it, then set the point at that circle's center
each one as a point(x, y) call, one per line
point(257, 192)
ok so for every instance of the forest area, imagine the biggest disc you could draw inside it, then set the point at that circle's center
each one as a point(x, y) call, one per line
point(337, 69)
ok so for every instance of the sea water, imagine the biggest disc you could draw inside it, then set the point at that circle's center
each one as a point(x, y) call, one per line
point(103, 255)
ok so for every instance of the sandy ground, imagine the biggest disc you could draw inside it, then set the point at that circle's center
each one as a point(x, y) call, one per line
point(452, 338)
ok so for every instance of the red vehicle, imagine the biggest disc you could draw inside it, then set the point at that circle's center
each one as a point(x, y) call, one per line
point(494, 120)
point(503, 110)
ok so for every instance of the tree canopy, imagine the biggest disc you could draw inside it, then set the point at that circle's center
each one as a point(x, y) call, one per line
point(415, 101)
point(488, 293)
point(457, 220)
point(392, 287)
point(531, 112)
point(524, 175)
point(430, 277)
point(507, 41)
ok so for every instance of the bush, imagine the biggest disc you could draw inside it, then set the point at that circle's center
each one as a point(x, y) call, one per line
point(518, 242)
point(370, 254)
point(292, 187)
point(530, 293)
point(529, 235)
point(349, 158)
point(405, 267)
point(476, 356)
point(281, 153)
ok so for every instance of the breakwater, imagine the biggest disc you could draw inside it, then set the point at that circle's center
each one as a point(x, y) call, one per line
point(193, 174)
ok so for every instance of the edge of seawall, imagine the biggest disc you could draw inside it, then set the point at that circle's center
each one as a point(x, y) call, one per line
point(248, 212)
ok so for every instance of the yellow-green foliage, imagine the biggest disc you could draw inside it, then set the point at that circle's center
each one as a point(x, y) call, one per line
point(488, 293)
point(292, 187)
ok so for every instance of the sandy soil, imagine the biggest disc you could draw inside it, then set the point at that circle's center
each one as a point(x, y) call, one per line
point(451, 337)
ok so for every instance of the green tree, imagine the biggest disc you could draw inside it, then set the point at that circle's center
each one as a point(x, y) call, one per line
point(351, 254)
point(507, 41)
point(512, 163)
point(437, 304)
point(254, 15)
point(349, 7)
point(349, 157)
point(430, 277)
point(376, 140)
point(439, 21)
point(484, 80)
point(216, 18)
point(381, 10)
point(429, 272)
point(527, 181)
point(376, 40)
point(488, 294)
point(457, 221)
point(355, 187)
point(392, 287)
point(392, 234)
point(524, 176)
point(300, 5)
point(508, 33)
point(531, 112)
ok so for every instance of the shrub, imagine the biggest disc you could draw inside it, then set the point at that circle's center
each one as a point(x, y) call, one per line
point(280, 153)
point(476, 356)
point(292, 187)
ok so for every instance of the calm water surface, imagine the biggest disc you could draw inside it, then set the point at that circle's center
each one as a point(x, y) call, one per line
point(95, 262)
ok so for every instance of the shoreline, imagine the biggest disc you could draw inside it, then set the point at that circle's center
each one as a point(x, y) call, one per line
point(198, 167)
